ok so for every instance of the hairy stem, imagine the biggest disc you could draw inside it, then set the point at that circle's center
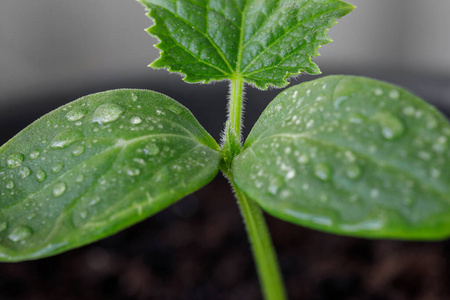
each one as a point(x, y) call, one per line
point(263, 252)
point(235, 105)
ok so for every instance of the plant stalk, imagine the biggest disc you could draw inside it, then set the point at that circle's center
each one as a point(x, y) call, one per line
point(260, 241)
point(263, 251)
point(235, 105)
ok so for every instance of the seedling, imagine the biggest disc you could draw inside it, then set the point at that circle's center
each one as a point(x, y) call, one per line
point(347, 155)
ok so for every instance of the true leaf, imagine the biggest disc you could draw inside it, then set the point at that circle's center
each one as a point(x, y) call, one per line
point(351, 155)
point(95, 166)
point(265, 42)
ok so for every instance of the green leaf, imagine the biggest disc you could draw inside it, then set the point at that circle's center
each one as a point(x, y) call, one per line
point(264, 42)
point(96, 166)
point(353, 156)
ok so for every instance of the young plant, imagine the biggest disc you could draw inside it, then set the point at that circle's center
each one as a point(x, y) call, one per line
point(347, 155)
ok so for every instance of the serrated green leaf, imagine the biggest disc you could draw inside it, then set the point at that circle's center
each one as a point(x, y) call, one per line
point(351, 155)
point(264, 42)
point(96, 166)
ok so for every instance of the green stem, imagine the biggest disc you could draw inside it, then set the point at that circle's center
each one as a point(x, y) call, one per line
point(263, 251)
point(235, 105)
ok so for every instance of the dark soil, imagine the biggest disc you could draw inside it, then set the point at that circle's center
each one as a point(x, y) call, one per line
point(198, 250)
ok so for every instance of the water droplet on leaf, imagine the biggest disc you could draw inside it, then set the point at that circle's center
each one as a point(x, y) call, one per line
point(34, 154)
point(41, 175)
point(95, 200)
point(323, 171)
point(290, 174)
point(275, 184)
point(10, 185)
point(57, 167)
point(391, 126)
point(394, 94)
point(78, 150)
point(339, 101)
point(59, 189)
point(75, 115)
point(20, 233)
point(66, 138)
point(151, 149)
point(353, 172)
point(24, 172)
point(107, 113)
point(15, 160)
point(303, 159)
point(136, 120)
point(175, 109)
point(133, 172)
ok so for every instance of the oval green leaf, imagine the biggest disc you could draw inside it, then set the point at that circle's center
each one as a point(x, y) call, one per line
point(353, 156)
point(96, 166)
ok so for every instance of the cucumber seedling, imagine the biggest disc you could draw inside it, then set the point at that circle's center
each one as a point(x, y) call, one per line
point(343, 154)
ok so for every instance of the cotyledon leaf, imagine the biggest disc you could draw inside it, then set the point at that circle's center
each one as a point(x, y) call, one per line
point(351, 155)
point(96, 166)
point(264, 42)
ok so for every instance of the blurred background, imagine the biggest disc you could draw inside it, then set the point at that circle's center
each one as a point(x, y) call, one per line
point(54, 51)
point(53, 47)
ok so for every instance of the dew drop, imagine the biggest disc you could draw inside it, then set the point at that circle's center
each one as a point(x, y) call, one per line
point(41, 175)
point(20, 233)
point(24, 172)
point(57, 168)
point(10, 185)
point(15, 160)
point(59, 189)
point(107, 113)
point(323, 171)
point(95, 200)
point(339, 101)
point(378, 92)
point(80, 178)
point(409, 111)
point(151, 149)
point(79, 218)
point(394, 94)
point(275, 185)
point(83, 214)
point(65, 139)
point(353, 172)
point(391, 126)
point(136, 120)
point(303, 159)
point(75, 115)
point(34, 154)
point(435, 173)
point(278, 107)
point(356, 118)
point(133, 172)
point(290, 174)
point(78, 150)
point(424, 155)
point(175, 109)
point(374, 193)
point(431, 122)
